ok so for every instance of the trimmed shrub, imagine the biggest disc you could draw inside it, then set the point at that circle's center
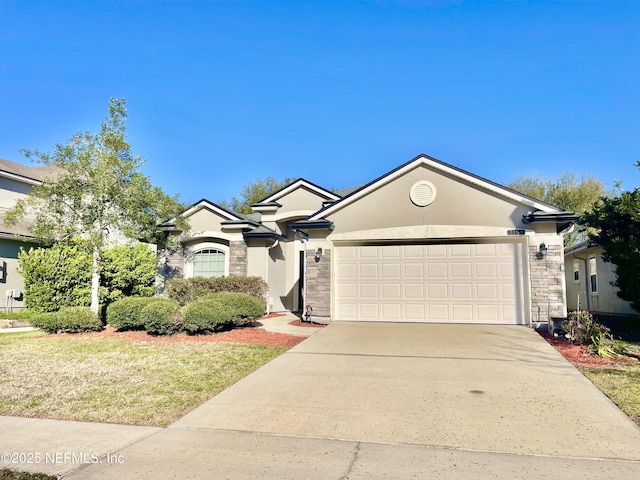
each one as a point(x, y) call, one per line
point(68, 320)
point(77, 320)
point(45, 321)
point(162, 317)
point(125, 314)
point(186, 290)
point(243, 306)
point(206, 315)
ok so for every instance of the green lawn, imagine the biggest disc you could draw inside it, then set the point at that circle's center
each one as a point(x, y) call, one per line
point(621, 384)
point(115, 380)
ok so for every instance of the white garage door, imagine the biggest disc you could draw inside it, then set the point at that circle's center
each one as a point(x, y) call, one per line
point(458, 283)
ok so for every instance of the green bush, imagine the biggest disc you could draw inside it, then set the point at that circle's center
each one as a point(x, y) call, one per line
point(60, 276)
point(77, 320)
point(128, 270)
point(244, 306)
point(45, 321)
point(206, 315)
point(125, 314)
point(186, 290)
point(68, 320)
point(56, 277)
point(162, 317)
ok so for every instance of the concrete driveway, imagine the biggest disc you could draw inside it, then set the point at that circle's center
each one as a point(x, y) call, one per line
point(373, 400)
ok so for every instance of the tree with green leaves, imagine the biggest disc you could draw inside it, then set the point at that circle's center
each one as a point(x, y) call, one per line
point(98, 193)
point(254, 192)
point(569, 192)
point(614, 224)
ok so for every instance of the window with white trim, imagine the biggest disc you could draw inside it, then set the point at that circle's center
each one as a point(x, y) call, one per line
point(576, 271)
point(209, 262)
point(593, 275)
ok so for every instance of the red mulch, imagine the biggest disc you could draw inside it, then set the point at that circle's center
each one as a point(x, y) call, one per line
point(252, 335)
point(299, 323)
point(579, 355)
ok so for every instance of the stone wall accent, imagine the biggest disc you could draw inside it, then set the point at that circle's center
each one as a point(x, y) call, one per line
point(238, 259)
point(170, 265)
point(318, 286)
point(547, 277)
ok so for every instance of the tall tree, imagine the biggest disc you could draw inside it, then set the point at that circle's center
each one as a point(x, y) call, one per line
point(98, 193)
point(254, 192)
point(614, 224)
point(569, 192)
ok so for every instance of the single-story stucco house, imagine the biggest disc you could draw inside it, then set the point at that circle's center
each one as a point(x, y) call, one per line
point(425, 242)
point(589, 282)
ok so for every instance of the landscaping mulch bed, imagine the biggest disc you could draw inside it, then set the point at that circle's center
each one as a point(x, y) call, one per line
point(252, 335)
point(579, 355)
point(299, 323)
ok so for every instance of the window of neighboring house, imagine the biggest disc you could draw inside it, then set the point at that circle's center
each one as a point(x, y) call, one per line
point(209, 262)
point(593, 275)
point(576, 271)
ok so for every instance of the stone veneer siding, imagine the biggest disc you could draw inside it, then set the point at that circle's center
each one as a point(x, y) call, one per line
point(170, 265)
point(238, 259)
point(318, 284)
point(547, 295)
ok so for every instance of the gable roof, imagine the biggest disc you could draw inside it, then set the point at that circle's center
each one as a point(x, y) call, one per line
point(272, 199)
point(443, 167)
point(25, 173)
point(228, 215)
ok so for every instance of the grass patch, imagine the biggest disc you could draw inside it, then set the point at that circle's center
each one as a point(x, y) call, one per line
point(621, 383)
point(6, 474)
point(115, 380)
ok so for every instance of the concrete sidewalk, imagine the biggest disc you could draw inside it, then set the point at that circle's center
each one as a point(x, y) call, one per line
point(368, 401)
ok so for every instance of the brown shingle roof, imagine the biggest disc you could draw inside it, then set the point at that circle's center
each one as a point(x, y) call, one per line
point(39, 173)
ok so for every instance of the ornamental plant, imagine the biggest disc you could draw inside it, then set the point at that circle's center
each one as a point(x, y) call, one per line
point(583, 329)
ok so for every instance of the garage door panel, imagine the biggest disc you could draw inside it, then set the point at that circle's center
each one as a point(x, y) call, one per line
point(391, 291)
point(415, 312)
point(462, 291)
point(488, 313)
point(437, 270)
point(369, 310)
point(391, 270)
point(467, 283)
point(461, 270)
point(486, 270)
point(390, 251)
point(438, 312)
point(413, 270)
point(392, 311)
point(461, 312)
point(487, 291)
point(368, 270)
point(414, 291)
point(369, 290)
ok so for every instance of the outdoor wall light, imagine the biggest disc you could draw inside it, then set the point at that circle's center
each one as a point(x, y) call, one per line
point(543, 250)
point(318, 254)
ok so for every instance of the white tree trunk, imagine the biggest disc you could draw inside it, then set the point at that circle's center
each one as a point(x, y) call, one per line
point(95, 280)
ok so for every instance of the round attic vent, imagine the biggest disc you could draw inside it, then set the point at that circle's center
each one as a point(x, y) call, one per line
point(422, 193)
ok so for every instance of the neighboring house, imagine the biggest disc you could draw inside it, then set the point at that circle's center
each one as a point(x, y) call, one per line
point(16, 181)
point(589, 282)
point(426, 242)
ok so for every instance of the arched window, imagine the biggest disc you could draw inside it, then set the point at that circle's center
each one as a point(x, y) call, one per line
point(208, 262)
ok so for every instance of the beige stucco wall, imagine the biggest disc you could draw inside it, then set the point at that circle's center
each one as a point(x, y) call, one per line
point(455, 204)
point(606, 300)
point(205, 220)
point(300, 199)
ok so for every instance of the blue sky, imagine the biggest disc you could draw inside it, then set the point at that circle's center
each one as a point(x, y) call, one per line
point(221, 93)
